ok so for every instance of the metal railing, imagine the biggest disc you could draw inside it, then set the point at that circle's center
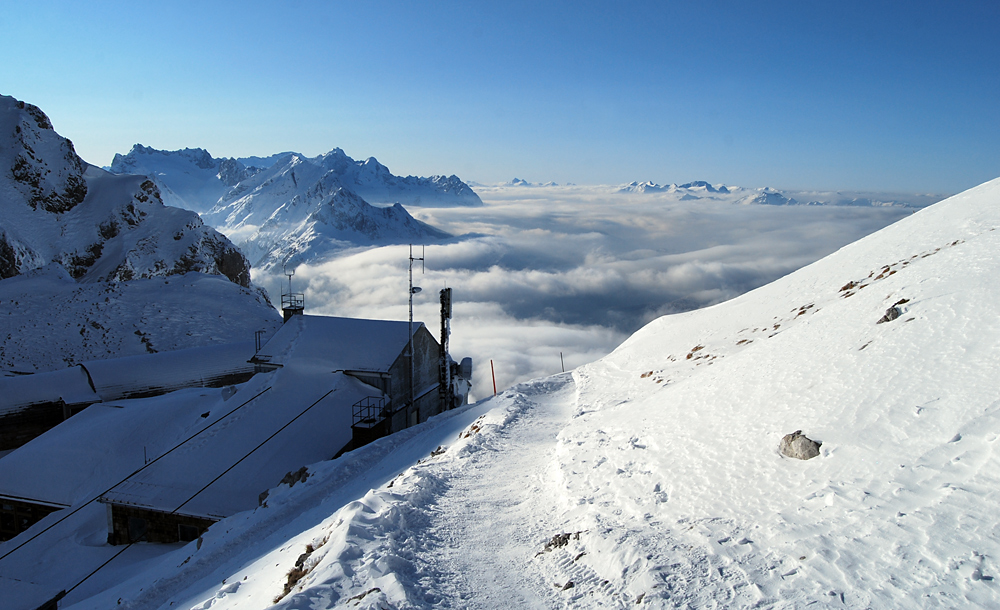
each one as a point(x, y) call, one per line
point(294, 300)
point(368, 412)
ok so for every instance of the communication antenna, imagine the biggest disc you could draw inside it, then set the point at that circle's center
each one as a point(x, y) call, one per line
point(291, 303)
point(413, 290)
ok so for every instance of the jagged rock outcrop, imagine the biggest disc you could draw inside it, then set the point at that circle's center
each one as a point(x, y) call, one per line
point(96, 225)
point(43, 165)
point(89, 260)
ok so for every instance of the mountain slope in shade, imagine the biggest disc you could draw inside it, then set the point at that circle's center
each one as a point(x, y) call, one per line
point(51, 321)
point(653, 478)
point(190, 179)
point(81, 236)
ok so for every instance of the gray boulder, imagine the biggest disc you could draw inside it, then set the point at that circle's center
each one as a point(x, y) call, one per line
point(798, 446)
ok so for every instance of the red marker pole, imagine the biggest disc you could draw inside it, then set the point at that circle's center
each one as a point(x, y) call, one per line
point(494, 377)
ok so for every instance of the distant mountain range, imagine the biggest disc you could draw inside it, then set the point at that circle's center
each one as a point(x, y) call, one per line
point(288, 208)
point(66, 222)
point(700, 189)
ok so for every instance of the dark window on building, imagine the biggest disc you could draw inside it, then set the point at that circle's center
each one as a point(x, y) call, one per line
point(187, 533)
point(136, 529)
point(8, 524)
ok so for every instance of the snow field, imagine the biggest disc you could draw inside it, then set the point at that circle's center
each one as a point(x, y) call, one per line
point(651, 478)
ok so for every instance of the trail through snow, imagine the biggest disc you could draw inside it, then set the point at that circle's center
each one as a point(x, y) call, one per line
point(492, 520)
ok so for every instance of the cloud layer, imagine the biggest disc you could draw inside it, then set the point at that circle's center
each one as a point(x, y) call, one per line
point(575, 270)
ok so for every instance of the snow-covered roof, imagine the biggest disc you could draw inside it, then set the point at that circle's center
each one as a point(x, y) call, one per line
point(68, 385)
point(67, 465)
point(338, 344)
point(167, 371)
point(133, 376)
point(251, 450)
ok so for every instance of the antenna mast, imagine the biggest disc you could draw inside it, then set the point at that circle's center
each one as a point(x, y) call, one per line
point(413, 290)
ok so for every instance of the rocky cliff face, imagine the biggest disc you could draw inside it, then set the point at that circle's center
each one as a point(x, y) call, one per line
point(44, 166)
point(96, 225)
point(94, 265)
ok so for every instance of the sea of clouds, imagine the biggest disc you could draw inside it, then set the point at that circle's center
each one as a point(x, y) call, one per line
point(546, 277)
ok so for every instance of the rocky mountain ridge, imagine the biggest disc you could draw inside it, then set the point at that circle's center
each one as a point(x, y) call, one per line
point(84, 225)
point(298, 208)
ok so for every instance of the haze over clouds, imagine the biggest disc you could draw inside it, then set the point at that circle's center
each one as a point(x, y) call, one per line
point(575, 270)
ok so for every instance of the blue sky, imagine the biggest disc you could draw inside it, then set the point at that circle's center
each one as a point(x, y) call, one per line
point(894, 96)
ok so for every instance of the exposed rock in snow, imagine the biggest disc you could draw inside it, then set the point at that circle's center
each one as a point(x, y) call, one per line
point(799, 446)
point(190, 179)
point(297, 208)
point(96, 228)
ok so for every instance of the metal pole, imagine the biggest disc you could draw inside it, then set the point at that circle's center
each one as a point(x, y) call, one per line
point(410, 341)
point(562, 362)
point(494, 377)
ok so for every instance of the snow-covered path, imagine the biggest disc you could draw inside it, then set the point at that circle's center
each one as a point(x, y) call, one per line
point(496, 516)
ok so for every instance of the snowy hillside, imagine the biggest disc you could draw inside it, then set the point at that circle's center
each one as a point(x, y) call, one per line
point(652, 477)
point(93, 233)
point(51, 321)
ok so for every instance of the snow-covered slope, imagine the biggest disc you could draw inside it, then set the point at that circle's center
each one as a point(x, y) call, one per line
point(652, 477)
point(94, 233)
point(50, 321)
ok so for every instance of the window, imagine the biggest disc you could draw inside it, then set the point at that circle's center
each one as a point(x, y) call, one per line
point(187, 533)
point(137, 527)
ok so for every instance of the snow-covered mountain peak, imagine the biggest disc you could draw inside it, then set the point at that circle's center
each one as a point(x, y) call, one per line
point(45, 168)
point(88, 229)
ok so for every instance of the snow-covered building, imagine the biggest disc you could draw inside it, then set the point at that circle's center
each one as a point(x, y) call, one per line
point(32, 404)
point(168, 467)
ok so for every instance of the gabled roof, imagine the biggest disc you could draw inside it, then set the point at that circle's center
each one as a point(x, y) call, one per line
point(339, 344)
point(249, 452)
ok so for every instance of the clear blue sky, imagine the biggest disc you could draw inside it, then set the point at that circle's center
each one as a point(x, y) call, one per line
point(852, 95)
